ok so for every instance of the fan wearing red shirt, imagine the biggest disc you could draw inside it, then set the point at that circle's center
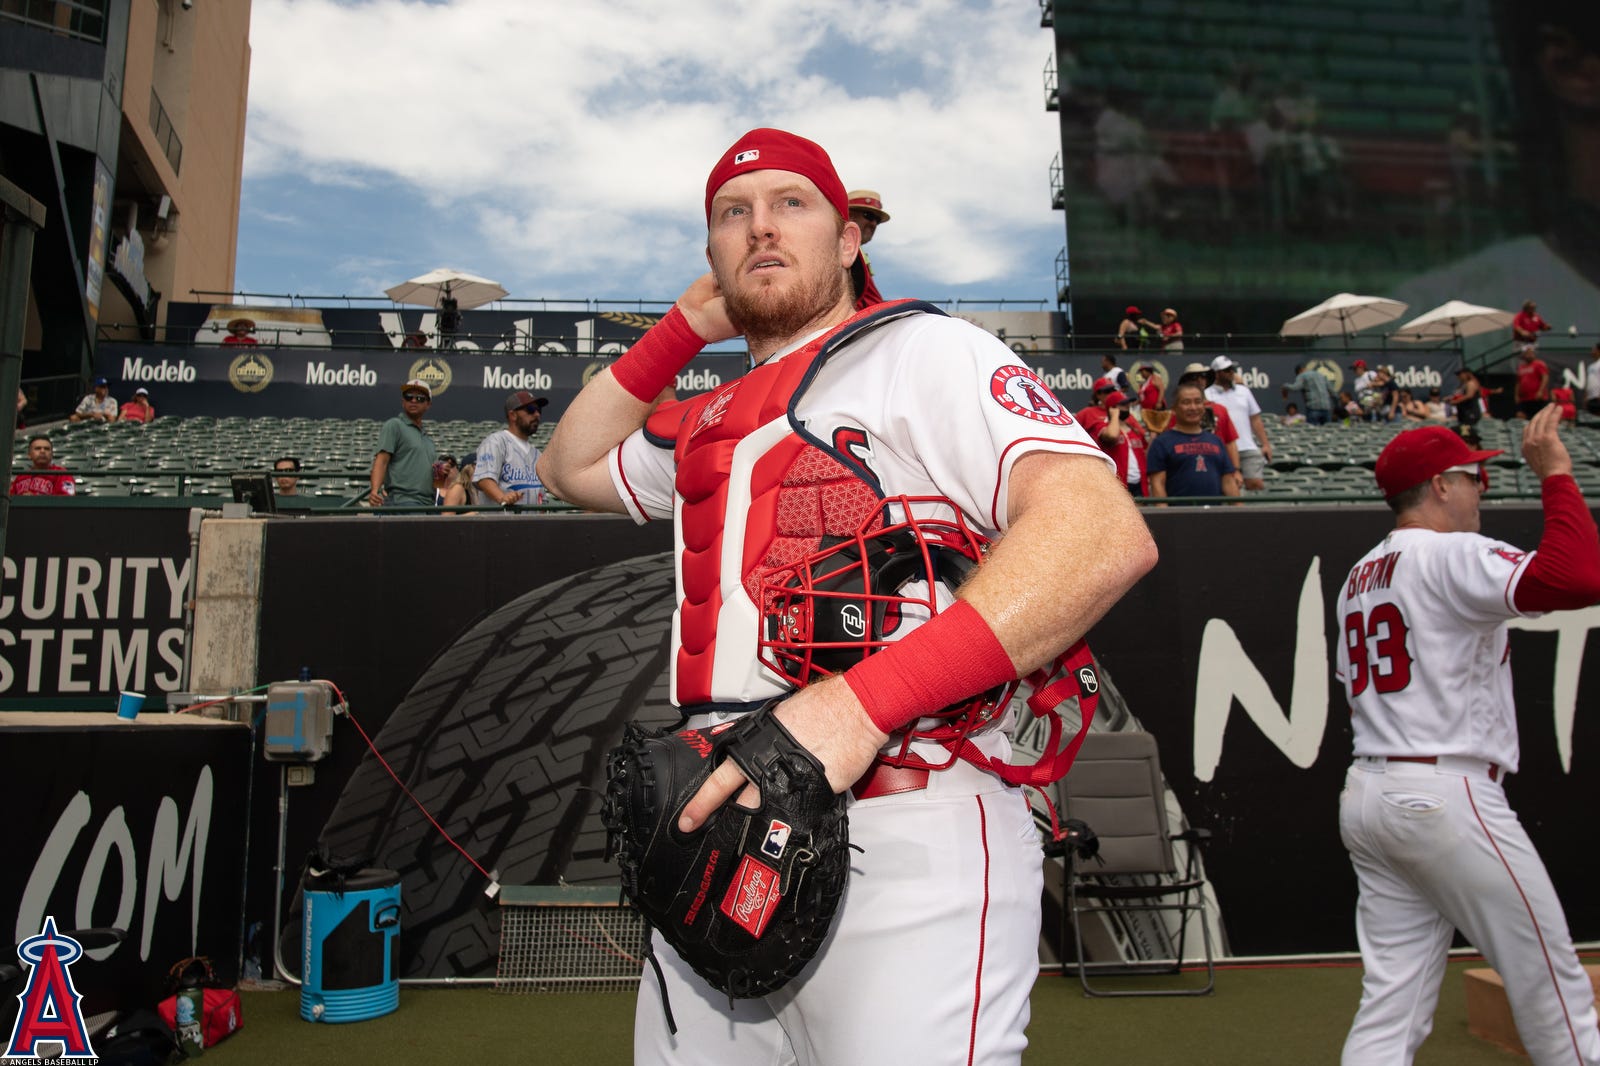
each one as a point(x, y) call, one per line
point(1527, 325)
point(1533, 383)
point(42, 478)
point(1119, 436)
point(138, 409)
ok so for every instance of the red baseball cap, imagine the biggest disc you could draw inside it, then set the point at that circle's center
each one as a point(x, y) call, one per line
point(1418, 454)
point(769, 149)
point(1113, 399)
point(1103, 383)
point(1131, 310)
point(1359, 364)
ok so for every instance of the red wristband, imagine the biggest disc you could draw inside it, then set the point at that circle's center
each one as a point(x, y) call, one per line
point(953, 657)
point(655, 359)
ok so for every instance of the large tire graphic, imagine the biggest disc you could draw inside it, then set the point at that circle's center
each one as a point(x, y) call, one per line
point(503, 738)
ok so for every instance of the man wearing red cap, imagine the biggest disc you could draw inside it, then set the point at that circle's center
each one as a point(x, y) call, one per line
point(866, 211)
point(1110, 423)
point(1425, 664)
point(935, 946)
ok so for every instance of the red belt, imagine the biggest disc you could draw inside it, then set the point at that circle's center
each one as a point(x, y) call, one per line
point(1433, 760)
point(886, 780)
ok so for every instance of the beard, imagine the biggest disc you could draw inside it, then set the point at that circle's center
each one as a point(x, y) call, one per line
point(764, 313)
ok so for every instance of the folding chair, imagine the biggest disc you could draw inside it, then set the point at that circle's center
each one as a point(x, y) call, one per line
point(1115, 787)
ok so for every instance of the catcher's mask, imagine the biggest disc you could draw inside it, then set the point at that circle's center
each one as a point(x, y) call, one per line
point(856, 595)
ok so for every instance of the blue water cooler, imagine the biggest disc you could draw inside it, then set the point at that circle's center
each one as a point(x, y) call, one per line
point(351, 944)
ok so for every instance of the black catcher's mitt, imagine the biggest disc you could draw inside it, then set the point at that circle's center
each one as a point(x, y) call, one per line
point(747, 898)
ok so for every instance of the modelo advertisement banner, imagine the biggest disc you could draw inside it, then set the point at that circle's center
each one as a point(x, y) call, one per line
point(1225, 653)
point(255, 382)
point(134, 825)
point(306, 382)
point(91, 604)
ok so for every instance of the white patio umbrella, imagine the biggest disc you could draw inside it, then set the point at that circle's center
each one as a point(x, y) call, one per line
point(1453, 320)
point(1343, 314)
point(430, 289)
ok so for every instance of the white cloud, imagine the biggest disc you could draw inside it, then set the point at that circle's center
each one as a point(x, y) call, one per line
point(568, 142)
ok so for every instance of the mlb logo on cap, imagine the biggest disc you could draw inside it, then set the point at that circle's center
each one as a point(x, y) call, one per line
point(747, 157)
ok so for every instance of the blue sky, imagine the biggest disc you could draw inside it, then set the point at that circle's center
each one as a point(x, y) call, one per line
point(561, 148)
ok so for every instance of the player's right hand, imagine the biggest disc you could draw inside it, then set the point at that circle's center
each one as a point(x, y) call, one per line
point(705, 309)
point(1542, 446)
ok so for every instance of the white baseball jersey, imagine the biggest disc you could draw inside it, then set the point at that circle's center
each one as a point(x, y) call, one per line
point(1241, 404)
point(1424, 656)
point(509, 460)
point(911, 404)
point(928, 405)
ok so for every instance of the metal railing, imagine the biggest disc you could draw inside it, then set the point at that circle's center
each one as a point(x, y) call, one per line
point(166, 135)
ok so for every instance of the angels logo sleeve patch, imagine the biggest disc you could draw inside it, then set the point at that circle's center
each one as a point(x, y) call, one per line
point(1019, 390)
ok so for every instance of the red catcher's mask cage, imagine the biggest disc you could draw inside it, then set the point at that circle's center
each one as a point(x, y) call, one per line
point(856, 595)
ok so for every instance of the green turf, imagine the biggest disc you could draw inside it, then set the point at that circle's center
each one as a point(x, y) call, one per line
point(1258, 1017)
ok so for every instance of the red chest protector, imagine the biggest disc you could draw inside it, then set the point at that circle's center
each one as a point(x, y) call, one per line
point(799, 490)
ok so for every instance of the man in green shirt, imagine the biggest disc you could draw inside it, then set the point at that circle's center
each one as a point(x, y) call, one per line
point(1318, 393)
point(402, 470)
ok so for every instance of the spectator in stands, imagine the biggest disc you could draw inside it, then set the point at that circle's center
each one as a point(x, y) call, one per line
point(240, 331)
point(1468, 398)
point(415, 339)
point(444, 475)
point(138, 409)
point(402, 468)
point(1388, 393)
point(1215, 418)
point(1118, 376)
point(866, 211)
point(1255, 450)
point(1374, 398)
point(1291, 415)
point(1591, 382)
point(1111, 424)
point(1435, 404)
point(1526, 327)
point(1348, 407)
point(1171, 330)
point(1563, 398)
point(97, 406)
point(1415, 410)
point(1130, 331)
point(507, 456)
point(286, 465)
point(1150, 398)
point(43, 477)
point(1533, 382)
point(461, 490)
point(1187, 460)
point(1363, 377)
point(1314, 388)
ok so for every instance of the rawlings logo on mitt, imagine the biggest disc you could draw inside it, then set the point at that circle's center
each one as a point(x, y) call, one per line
point(747, 898)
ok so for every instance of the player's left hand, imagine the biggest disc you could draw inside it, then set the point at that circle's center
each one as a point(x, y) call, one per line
point(828, 721)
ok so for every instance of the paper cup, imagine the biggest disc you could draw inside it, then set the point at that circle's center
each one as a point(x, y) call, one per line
point(128, 704)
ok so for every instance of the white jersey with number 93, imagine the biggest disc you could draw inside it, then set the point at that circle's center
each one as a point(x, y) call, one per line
point(1423, 650)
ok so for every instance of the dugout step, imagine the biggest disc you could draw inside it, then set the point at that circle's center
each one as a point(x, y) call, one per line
point(1489, 1014)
